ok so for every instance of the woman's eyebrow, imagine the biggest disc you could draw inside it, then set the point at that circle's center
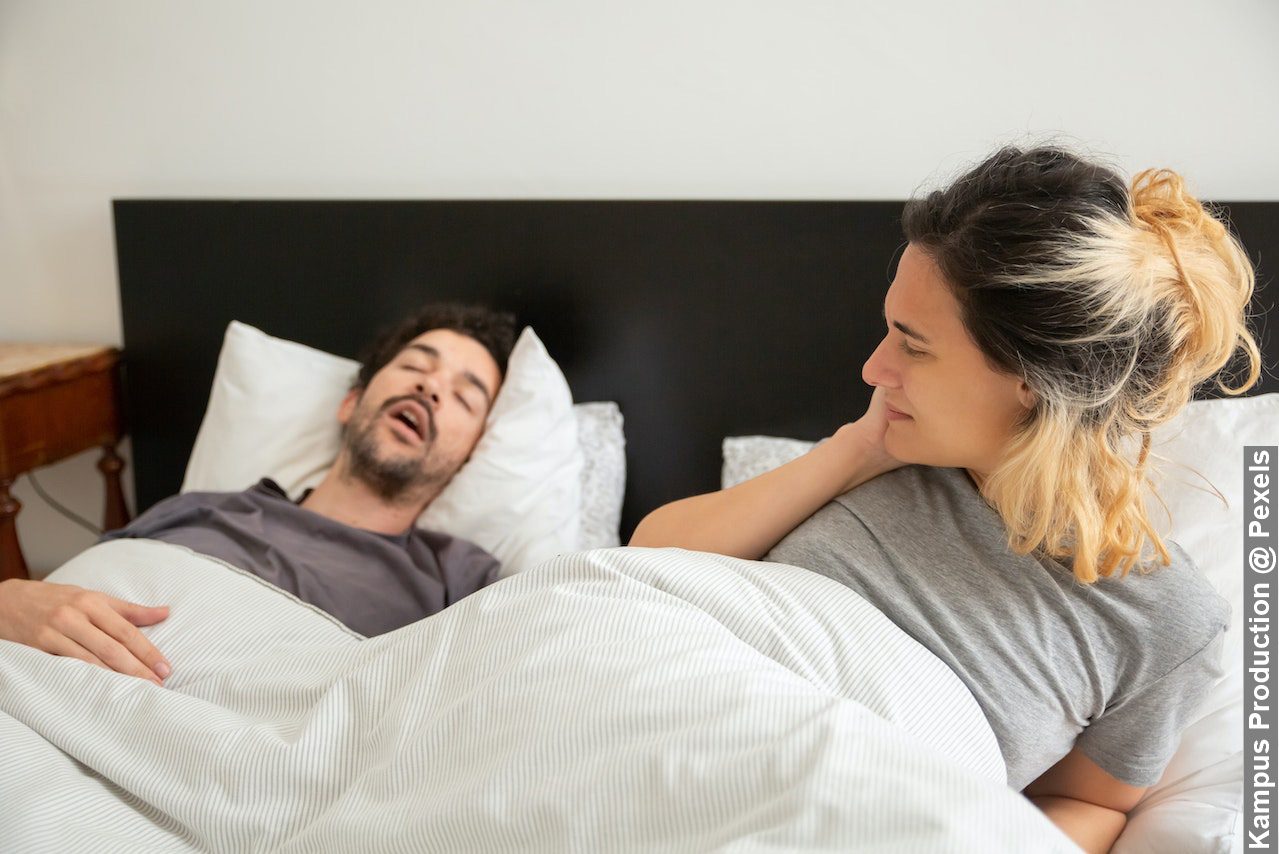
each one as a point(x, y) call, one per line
point(904, 328)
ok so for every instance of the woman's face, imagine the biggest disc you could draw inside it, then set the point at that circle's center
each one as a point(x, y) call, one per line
point(961, 412)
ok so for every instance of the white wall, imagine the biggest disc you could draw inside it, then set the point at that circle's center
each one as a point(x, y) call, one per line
point(686, 99)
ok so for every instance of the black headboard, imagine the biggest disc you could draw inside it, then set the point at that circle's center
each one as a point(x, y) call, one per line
point(701, 319)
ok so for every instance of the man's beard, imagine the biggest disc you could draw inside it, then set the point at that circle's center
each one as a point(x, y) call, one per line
point(398, 479)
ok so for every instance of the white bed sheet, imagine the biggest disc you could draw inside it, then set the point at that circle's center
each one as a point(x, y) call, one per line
point(620, 699)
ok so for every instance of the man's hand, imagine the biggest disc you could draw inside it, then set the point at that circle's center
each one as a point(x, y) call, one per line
point(84, 624)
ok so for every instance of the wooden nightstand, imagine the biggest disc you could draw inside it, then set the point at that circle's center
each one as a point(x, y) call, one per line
point(56, 401)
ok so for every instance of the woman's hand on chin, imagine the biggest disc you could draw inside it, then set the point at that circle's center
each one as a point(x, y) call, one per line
point(866, 435)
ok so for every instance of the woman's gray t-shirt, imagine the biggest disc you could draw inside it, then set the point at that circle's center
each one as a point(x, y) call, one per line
point(1116, 667)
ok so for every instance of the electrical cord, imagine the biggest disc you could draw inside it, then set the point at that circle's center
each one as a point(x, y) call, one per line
point(52, 502)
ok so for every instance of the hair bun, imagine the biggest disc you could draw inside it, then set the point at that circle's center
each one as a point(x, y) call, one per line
point(1161, 203)
point(1215, 275)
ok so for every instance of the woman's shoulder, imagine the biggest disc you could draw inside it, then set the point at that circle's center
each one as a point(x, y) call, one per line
point(940, 498)
point(1178, 603)
point(1181, 576)
point(903, 485)
point(1185, 577)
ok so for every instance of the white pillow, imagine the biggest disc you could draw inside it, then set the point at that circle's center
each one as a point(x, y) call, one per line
point(519, 496)
point(1195, 805)
point(746, 457)
point(600, 433)
point(273, 413)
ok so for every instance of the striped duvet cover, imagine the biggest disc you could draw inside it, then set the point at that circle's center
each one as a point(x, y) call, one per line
point(611, 700)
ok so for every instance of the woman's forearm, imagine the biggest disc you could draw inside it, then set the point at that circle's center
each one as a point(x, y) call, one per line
point(749, 519)
point(1093, 828)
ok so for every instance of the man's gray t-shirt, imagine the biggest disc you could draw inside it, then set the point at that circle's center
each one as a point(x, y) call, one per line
point(372, 582)
point(1114, 667)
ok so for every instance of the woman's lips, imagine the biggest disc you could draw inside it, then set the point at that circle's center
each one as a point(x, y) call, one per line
point(894, 415)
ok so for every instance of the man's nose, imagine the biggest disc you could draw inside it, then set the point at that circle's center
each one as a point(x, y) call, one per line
point(429, 387)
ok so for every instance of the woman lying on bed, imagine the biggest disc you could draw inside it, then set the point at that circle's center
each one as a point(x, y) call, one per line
point(1044, 318)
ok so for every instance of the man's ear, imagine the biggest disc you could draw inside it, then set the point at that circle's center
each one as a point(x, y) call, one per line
point(347, 406)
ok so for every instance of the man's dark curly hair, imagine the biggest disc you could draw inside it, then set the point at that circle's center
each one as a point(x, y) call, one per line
point(494, 329)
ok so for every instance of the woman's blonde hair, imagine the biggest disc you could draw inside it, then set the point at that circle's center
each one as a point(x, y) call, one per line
point(1113, 302)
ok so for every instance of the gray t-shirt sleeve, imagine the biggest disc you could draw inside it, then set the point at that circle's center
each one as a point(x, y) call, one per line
point(1137, 733)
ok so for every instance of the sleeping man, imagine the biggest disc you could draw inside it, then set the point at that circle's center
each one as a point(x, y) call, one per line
point(349, 546)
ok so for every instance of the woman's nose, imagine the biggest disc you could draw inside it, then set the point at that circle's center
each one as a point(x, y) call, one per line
point(876, 371)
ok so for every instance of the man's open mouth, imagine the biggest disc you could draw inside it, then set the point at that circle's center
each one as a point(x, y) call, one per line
point(415, 417)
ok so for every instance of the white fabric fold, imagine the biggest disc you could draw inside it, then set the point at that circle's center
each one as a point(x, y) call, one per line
point(619, 699)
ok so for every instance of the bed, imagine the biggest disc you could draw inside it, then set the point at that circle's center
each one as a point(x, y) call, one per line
point(696, 319)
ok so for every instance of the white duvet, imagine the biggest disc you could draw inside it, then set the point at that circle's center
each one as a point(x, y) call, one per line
point(619, 699)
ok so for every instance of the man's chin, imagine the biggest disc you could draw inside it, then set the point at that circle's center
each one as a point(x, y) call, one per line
point(396, 451)
point(392, 483)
